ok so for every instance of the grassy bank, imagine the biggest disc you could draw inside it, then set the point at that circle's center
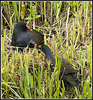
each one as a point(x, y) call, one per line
point(27, 74)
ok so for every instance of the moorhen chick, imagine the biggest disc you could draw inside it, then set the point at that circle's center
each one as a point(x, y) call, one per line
point(23, 36)
point(67, 71)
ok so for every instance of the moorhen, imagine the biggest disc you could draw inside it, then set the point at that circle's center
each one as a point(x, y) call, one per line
point(67, 71)
point(23, 36)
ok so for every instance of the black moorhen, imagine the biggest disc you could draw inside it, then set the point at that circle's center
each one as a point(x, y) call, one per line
point(67, 71)
point(23, 36)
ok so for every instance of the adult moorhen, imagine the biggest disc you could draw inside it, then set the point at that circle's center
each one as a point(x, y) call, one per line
point(23, 36)
point(67, 71)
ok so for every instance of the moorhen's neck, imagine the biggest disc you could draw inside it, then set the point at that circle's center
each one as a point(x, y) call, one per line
point(47, 52)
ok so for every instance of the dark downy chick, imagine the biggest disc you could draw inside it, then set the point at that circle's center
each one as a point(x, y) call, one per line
point(67, 71)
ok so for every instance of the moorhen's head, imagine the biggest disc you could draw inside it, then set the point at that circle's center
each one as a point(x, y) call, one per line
point(47, 51)
point(21, 26)
point(21, 35)
point(49, 55)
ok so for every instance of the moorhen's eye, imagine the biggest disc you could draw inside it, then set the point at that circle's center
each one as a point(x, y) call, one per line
point(52, 67)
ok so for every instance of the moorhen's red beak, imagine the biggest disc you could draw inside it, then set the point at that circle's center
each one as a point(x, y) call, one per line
point(28, 27)
point(34, 43)
point(40, 46)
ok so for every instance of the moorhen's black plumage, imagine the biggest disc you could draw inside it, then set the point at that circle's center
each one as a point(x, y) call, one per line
point(23, 35)
point(67, 71)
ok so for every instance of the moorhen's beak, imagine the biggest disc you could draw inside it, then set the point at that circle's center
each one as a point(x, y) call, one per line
point(40, 46)
point(28, 27)
point(34, 43)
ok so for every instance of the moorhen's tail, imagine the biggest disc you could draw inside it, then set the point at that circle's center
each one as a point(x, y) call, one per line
point(71, 79)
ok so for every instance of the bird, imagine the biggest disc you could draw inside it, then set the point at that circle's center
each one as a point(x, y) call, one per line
point(67, 72)
point(23, 36)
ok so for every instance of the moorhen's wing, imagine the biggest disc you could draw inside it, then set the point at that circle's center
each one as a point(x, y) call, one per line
point(37, 37)
point(21, 40)
point(67, 67)
point(71, 79)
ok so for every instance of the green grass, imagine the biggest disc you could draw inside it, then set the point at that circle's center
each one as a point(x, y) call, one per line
point(27, 75)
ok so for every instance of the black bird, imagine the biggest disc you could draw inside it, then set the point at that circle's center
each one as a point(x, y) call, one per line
point(23, 36)
point(67, 71)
